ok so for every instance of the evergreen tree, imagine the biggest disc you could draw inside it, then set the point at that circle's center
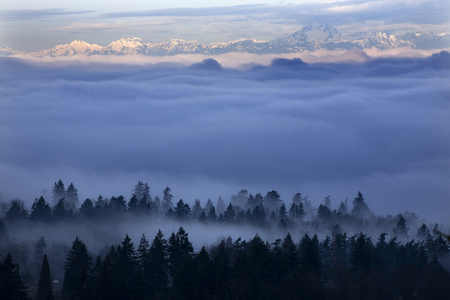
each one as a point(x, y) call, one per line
point(423, 232)
point(360, 208)
point(212, 217)
point(141, 191)
point(11, 283)
point(133, 204)
point(272, 200)
point(182, 211)
point(58, 192)
point(108, 287)
point(40, 210)
point(196, 209)
point(71, 199)
point(77, 270)
point(60, 212)
point(159, 264)
point(229, 215)
point(144, 265)
point(87, 210)
point(16, 211)
point(45, 290)
point(126, 268)
point(118, 204)
point(400, 228)
point(167, 200)
point(179, 246)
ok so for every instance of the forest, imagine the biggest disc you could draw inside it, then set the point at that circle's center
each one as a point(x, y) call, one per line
point(63, 249)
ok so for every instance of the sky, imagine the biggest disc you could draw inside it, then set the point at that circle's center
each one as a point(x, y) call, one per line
point(210, 126)
point(37, 25)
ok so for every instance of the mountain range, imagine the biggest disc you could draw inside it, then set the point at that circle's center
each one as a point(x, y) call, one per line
point(309, 38)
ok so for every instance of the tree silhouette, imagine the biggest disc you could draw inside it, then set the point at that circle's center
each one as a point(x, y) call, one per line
point(77, 270)
point(11, 284)
point(45, 290)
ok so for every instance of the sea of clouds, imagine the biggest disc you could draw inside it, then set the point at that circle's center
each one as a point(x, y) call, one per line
point(210, 128)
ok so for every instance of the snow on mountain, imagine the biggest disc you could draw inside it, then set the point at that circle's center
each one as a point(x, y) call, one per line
point(309, 38)
point(380, 40)
point(129, 45)
point(7, 51)
point(74, 48)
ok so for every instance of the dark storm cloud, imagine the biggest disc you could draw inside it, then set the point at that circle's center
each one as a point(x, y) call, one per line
point(381, 127)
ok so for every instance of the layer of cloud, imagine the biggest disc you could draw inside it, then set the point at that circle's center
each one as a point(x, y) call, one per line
point(379, 126)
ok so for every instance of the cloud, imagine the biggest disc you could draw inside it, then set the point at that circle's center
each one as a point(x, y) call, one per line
point(27, 14)
point(206, 130)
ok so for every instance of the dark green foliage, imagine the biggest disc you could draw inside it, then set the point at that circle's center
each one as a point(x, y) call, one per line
point(77, 271)
point(45, 290)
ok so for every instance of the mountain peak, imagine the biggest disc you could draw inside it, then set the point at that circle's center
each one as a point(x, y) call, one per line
point(310, 37)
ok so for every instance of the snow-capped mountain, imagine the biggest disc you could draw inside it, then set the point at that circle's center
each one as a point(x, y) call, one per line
point(74, 48)
point(308, 38)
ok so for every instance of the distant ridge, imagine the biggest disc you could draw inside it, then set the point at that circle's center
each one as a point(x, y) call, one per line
point(310, 38)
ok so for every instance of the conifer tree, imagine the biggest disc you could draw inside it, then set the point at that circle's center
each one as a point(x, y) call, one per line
point(11, 283)
point(159, 264)
point(40, 210)
point(45, 290)
point(77, 270)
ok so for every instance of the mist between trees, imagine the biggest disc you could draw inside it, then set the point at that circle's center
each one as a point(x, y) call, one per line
point(250, 246)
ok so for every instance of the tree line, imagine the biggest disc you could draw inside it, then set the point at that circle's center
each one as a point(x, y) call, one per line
point(337, 267)
point(343, 263)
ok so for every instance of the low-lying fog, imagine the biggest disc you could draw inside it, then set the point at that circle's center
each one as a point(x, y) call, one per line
point(380, 126)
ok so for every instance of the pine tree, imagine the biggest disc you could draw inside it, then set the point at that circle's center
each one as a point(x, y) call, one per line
point(11, 284)
point(178, 247)
point(159, 264)
point(40, 210)
point(45, 290)
point(77, 270)
point(167, 200)
point(126, 268)
point(71, 199)
point(16, 211)
point(58, 192)
point(87, 210)
point(360, 208)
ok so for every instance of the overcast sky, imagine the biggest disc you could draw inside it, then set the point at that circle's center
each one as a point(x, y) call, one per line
point(36, 25)
point(380, 127)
